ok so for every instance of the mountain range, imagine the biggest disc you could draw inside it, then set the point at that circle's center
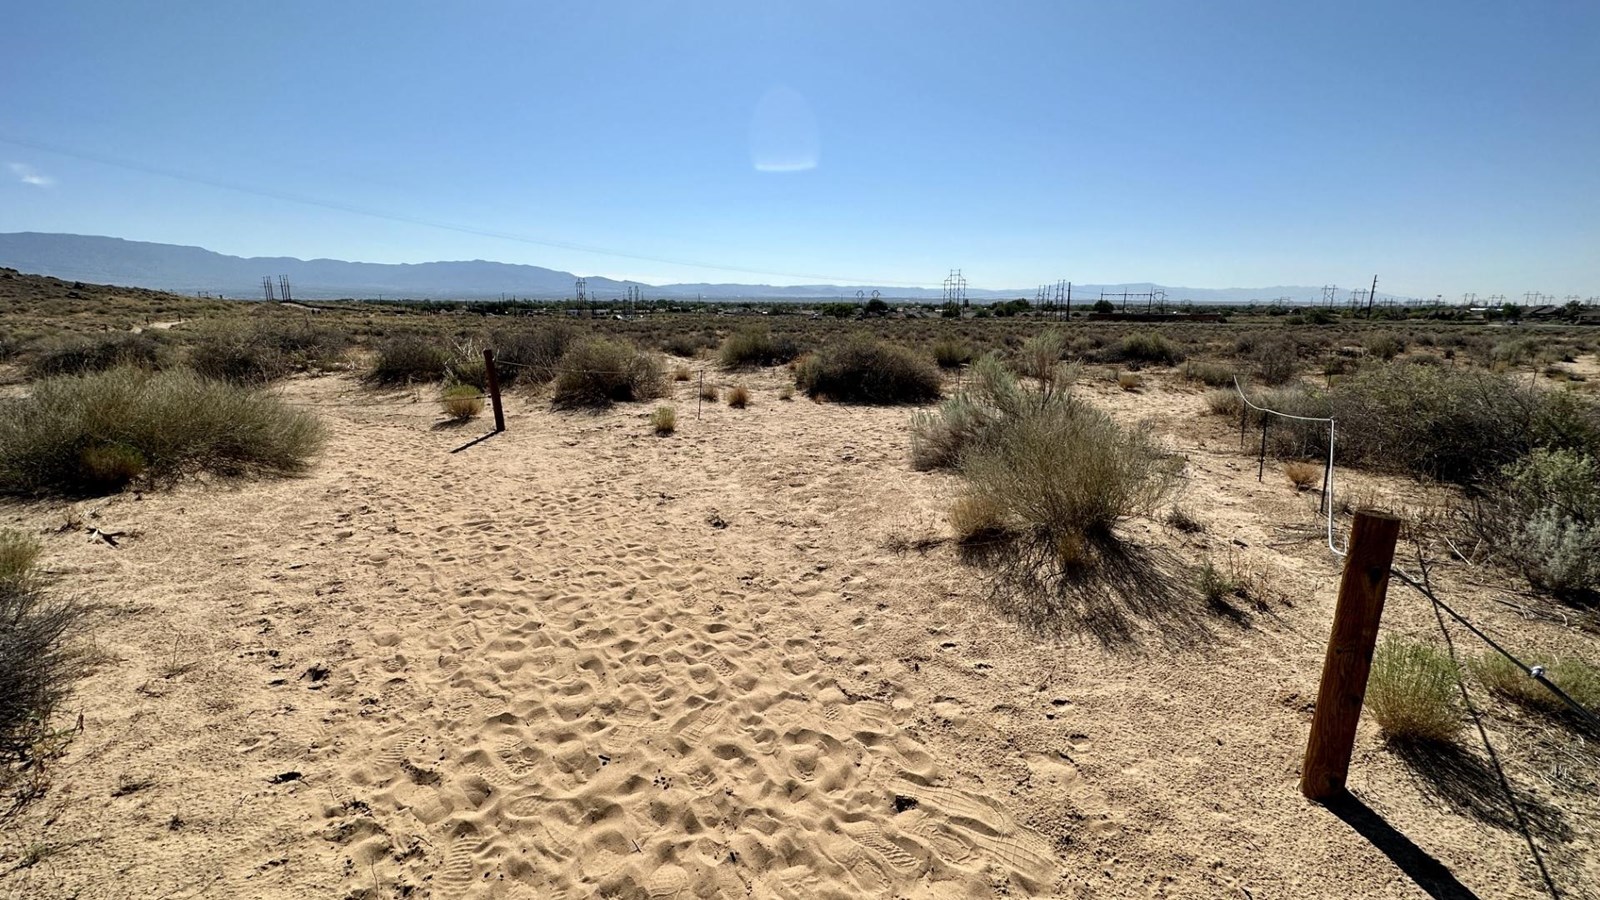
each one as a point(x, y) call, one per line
point(181, 269)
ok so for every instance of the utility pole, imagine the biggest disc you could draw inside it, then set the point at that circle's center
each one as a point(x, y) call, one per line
point(1372, 295)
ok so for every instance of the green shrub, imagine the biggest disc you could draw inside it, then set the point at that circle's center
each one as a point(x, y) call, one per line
point(1210, 374)
point(1224, 402)
point(532, 354)
point(82, 356)
point(867, 371)
point(18, 553)
point(266, 351)
point(952, 353)
point(1047, 464)
point(94, 432)
point(1544, 517)
point(1578, 679)
point(461, 402)
point(36, 667)
point(755, 346)
point(597, 372)
point(408, 359)
point(1041, 354)
point(1412, 691)
point(1384, 346)
point(688, 345)
point(664, 420)
point(1146, 347)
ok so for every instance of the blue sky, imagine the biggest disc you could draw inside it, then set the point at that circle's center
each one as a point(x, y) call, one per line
point(1447, 147)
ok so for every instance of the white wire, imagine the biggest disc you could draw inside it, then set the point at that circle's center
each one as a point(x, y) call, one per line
point(1331, 437)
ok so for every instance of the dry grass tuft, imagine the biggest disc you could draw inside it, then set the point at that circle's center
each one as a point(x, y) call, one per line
point(739, 397)
point(461, 402)
point(681, 373)
point(1128, 381)
point(976, 519)
point(786, 392)
point(598, 372)
point(868, 371)
point(1412, 691)
point(1302, 473)
point(709, 393)
point(1580, 680)
point(664, 420)
point(36, 668)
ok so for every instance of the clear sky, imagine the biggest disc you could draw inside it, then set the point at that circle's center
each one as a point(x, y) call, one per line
point(1446, 146)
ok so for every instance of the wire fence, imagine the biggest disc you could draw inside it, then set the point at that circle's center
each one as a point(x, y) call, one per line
point(1423, 585)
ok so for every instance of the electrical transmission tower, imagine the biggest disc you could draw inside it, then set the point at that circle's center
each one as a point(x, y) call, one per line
point(266, 285)
point(283, 282)
point(582, 290)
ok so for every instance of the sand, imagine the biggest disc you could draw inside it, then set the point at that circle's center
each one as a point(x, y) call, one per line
point(577, 660)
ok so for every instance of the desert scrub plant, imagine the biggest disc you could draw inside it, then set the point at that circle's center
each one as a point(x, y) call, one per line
point(36, 666)
point(862, 370)
point(951, 353)
point(1302, 473)
point(93, 433)
point(1146, 347)
point(1041, 354)
point(531, 354)
point(1210, 374)
point(786, 392)
point(461, 402)
point(82, 356)
point(1578, 679)
point(408, 359)
point(710, 393)
point(1129, 381)
point(1276, 359)
point(1544, 517)
point(597, 372)
point(664, 420)
point(1061, 471)
point(755, 346)
point(1224, 402)
point(739, 396)
point(977, 519)
point(681, 373)
point(1412, 692)
point(234, 354)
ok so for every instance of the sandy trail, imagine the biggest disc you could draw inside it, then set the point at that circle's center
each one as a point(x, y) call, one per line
point(578, 660)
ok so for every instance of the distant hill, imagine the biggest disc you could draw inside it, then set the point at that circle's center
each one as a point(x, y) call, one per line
point(171, 267)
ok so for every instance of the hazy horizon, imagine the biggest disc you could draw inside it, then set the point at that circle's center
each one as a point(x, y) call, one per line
point(1445, 147)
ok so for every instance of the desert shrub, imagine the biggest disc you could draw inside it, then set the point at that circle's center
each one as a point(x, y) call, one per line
point(1544, 517)
point(1179, 518)
point(1302, 473)
point(664, 420)
point(739, 397)
point(233, 355)
point(1412, 691)
point(1129, 381)
point(688, 345)
point(786, 392)
point(1146, 347)
point(990, 397)
point(1211, 374)
point(10, 346)
point(1066, 472)
point(408, 359)
point(83, 356)
point(710, 392)
point(1224, 402)
point(1384, 345)
point(461, 402)
point(866, 371)
point(1218, 583)
point(18, 553)
point(95, 432)
point(681, 373)
point(1276, 359)
point(1578, 679)
point(467, 367)
point(1453, 425)
point(952, 353)
point(598, 372)
point(1562, 420)
point(755, 346)
point(1041, 354)
point(531, 354)
point(36, 666)
point(976, 518)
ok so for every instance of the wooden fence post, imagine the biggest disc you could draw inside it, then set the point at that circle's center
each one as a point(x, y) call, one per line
point(492, 379)
point(1261, 472)
point(1349, 659)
